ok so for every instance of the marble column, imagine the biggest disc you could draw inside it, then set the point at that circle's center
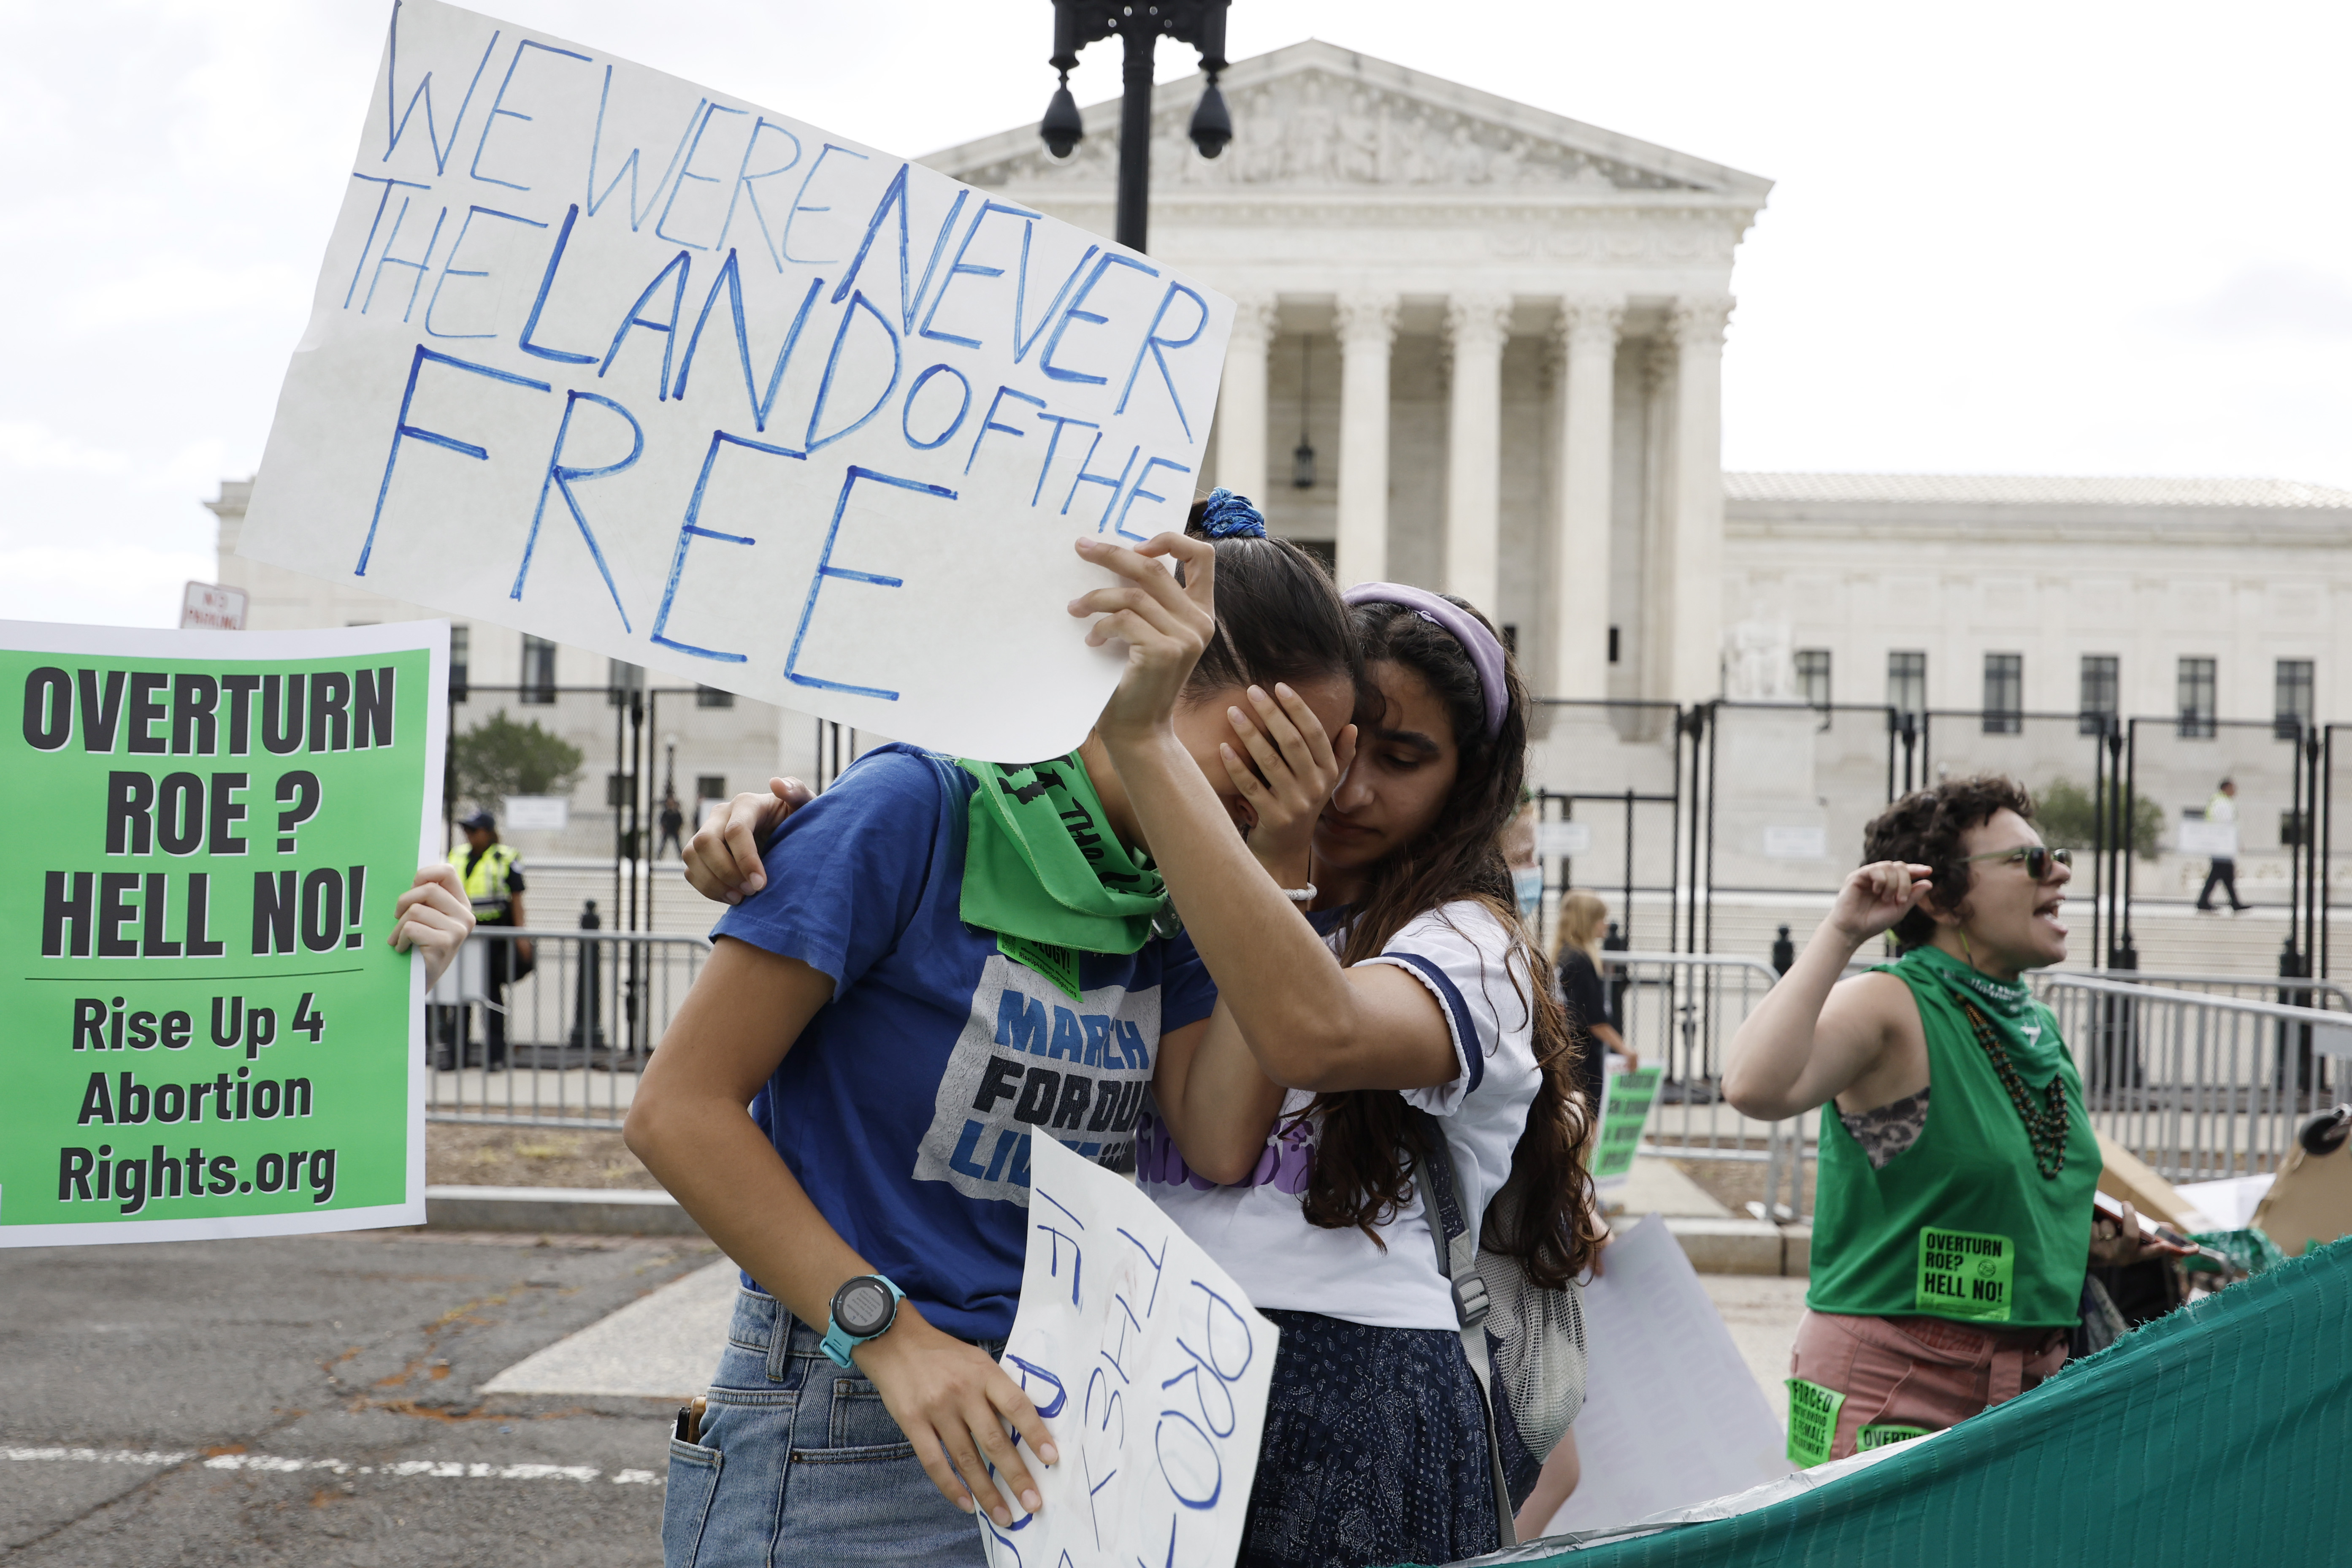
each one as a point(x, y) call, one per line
point(1582, 521)
point(1241, 399)
point(1475, 328)
point(1696, 529)
point(1366, 325)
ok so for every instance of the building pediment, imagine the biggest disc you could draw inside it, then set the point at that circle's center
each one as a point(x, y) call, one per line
point(1316, 118)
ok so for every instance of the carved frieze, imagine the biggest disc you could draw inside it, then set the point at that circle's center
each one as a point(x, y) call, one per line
point(1316, 128)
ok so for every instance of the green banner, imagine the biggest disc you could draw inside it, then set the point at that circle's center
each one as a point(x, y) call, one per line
point(206, 1033)
point(1625, 1101)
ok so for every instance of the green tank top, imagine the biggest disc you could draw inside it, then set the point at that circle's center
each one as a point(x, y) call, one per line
point(1963, 1224)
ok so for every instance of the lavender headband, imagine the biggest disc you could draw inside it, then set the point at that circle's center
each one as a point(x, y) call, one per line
point(1485, 653)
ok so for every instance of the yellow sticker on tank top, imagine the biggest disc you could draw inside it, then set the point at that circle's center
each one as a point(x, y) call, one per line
point(1967, 1275)
point(1812, 1422)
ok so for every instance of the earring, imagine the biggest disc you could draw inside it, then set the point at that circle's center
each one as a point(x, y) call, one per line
point(1966, 952)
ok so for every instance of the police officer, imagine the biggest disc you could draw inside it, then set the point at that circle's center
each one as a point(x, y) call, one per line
point(494, 885)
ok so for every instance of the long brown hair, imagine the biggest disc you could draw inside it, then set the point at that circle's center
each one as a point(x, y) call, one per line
point(1363, 1164)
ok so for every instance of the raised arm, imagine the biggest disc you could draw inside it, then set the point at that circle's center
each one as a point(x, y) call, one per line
point(1811, 1039)
point(1310, 1023)
point(692, 1124)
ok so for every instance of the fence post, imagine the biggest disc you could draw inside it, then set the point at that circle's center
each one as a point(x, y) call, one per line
point(588, 1002)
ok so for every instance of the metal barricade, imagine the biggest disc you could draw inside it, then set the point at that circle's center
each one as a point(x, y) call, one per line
point(2327, 996)
point(563, 1046)
point(2199, 1085)
point(1678, 1011)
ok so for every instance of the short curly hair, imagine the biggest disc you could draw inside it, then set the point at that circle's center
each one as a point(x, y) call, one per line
point(1925, 826)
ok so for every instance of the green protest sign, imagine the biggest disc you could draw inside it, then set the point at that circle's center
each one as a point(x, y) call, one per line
point(1625, 1107)
point(206, 1033)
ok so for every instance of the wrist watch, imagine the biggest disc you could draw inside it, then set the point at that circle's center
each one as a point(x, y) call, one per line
point(862, 1309)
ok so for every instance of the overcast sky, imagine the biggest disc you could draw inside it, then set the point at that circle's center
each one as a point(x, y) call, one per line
point(2055, 237)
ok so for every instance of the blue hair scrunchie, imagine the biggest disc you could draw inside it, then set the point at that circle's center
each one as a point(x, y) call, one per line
point(1228, 516)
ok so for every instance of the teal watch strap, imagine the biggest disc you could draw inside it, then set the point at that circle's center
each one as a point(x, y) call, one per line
point(839, 1341)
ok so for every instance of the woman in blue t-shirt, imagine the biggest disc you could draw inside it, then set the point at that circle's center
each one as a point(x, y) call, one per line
point(1408, 1005)
point(939, 957)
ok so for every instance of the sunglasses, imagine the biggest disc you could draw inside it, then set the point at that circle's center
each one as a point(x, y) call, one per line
point(2036, 857)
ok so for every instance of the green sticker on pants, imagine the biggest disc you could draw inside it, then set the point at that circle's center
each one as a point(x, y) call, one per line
point(1966, 1275)
point(1812, 1422)
point(1881, 1436)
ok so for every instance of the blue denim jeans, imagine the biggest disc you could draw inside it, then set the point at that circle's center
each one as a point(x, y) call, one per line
point(799, 1463)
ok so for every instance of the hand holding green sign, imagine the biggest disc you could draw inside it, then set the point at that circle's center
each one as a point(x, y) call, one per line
point(204, 1038)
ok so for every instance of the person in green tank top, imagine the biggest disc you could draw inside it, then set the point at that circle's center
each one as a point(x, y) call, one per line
point(1953, 1226)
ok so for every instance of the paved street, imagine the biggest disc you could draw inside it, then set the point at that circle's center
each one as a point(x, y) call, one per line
point(155, 1402)
point(392, 1397)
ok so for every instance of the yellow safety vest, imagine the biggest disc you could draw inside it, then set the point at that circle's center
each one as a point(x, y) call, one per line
point(487, 882)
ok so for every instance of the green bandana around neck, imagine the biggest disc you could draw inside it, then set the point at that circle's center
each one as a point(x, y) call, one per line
point(2020, 1021)
point(1041, 868)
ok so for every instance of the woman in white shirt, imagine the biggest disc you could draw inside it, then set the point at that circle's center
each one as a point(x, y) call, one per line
point(1410, 998)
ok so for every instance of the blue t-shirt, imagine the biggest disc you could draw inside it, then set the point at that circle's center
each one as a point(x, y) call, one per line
point(904, 1107)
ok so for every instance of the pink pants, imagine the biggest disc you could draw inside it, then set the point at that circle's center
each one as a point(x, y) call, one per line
point(1927, 1372)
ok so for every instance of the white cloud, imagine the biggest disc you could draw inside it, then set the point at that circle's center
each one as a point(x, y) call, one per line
point(27, 445)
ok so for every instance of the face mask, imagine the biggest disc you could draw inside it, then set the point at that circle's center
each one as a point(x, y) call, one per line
point(1528, 881)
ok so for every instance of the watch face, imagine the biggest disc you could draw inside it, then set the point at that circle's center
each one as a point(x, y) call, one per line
point(864, 1306)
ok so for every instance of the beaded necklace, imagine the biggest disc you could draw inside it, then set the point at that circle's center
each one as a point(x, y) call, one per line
point(2045, 1124)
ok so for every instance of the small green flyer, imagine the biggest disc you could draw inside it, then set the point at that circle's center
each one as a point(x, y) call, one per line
point(206, 1032)
point(1625, 1101)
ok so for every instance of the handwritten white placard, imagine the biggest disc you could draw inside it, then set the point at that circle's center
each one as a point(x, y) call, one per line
point(1150, 1368)
point(631, 363)
point(1672, 1416)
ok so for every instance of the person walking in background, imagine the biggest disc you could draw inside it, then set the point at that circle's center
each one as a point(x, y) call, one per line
point(1582, 919)
point(492, 873)
point(2223, 872)
point(673, 822)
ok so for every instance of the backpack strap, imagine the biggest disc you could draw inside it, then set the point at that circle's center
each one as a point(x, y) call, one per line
point(1456, 1238)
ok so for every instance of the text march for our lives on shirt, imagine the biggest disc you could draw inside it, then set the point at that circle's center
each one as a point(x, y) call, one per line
point(906, 1106)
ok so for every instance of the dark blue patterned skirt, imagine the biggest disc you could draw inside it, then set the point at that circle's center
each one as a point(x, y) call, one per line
point(1375, 1451)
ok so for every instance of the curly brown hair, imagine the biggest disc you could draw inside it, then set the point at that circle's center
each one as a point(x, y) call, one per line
point(1925, 827)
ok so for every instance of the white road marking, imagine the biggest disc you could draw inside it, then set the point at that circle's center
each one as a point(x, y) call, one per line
point(452, 1469)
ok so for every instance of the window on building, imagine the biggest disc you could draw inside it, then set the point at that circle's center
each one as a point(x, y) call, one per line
point(2291, 707)
point(1907, 681)
point(537, 670)
point(710, 786)
point(1814, 676)
point(2099, 693)
point(2196, 701)
point(461, 646)
point(620, 680)
point(620, 789)
point(2004, 694)
point(712, 696)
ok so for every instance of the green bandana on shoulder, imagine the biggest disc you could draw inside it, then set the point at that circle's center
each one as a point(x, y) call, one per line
point(1044, 871)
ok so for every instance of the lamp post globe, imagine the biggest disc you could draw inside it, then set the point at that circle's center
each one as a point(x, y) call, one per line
point(1139, 24)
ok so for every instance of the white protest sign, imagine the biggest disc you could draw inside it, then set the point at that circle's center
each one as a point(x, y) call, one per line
point(1672, 1416)
point(2216, 840)
point(1150, 1368)
point(631, 363)
point(1554, 838)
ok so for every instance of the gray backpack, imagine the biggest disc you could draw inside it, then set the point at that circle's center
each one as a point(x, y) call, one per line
point(1534, 1336)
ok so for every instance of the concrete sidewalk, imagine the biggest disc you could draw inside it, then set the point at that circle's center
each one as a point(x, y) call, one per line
point(1717, 1241)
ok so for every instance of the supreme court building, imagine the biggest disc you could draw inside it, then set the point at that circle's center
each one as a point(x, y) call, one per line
point(1479, 347)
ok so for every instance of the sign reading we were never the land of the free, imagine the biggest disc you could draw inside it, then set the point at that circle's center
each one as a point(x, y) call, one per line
point(631, 363)
point(206, 1032)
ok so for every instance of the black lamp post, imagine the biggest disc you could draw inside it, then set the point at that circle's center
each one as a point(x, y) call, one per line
point(1141, 23)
